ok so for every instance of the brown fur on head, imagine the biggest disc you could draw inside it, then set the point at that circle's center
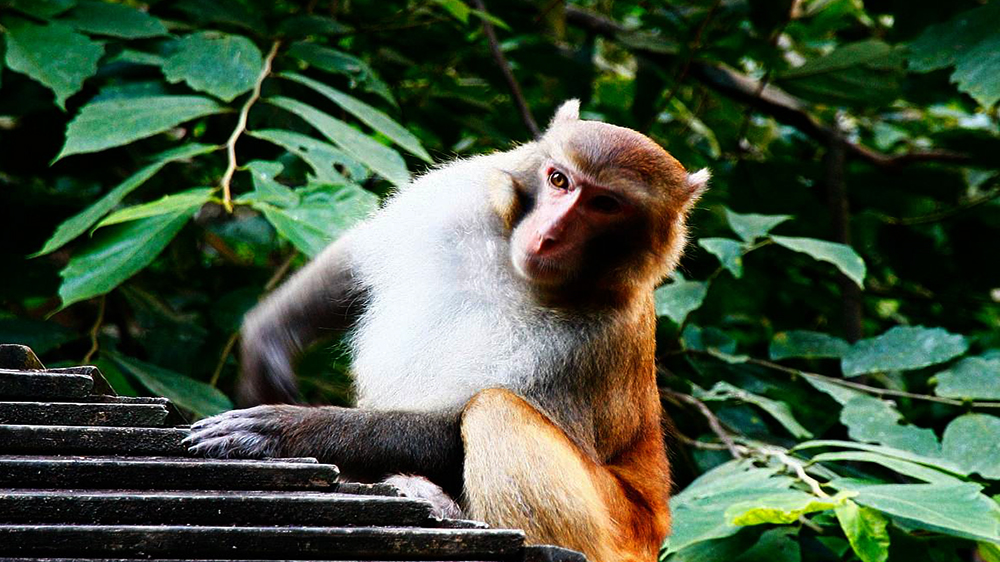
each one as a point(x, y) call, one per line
point(639, 250)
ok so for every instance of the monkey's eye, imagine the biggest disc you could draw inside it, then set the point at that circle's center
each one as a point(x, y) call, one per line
point(605, 204)
point(559, 180)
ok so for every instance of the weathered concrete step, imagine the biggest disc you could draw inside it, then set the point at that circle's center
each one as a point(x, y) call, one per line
point(54, 384)
point(121, 414)
point(158, 473)
point(269, 543)
point(246, 508)
point(84, 440)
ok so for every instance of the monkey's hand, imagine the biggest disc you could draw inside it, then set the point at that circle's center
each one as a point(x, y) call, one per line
point(252, 433)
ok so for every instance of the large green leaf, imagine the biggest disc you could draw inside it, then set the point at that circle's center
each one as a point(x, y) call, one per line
point(179, 203)
point(803, 343)
point(325, 159)
point(82, 221)
point(266, 187)
point(339, 62)
point(969, 42)
point(973, 441)
point(911, 469)
point(323, 213)
point(752, 226)
point(781, 508)
point(863, 73)
point(115, 20)
point(970, 379)
point(729, 252)
point(116, 254)
point(368, 115)
point(925, 460)
point(865, 529)
point(954, 509)
point(114, 122)
point(41, 9)
point(700, 509)
point(778, 410)
point(359, 146)
point(222, 65)
point(679, 299)
point(876, 421)
point(840, 255)
point(53, 54)
point(902, 348)
point(201, 399)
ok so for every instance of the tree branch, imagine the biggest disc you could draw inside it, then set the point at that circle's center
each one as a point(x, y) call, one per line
point(713, 421)
point(767, 99)
point(515, 88)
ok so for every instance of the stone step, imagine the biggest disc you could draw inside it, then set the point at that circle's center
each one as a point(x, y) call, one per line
point(266, 543)
point(247, 508)
point(161, 473)
point(84, 440)
point(118, 413)
point(53, 384)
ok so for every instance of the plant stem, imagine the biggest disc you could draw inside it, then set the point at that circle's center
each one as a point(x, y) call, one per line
point(93, 331)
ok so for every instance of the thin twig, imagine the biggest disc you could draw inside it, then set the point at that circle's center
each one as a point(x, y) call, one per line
point(798, 467)
point(241, 126)
point(945, 214)
point(94, 330)
point(280, 273)
point(713, 422)
point(222, 358)
point(515, 88)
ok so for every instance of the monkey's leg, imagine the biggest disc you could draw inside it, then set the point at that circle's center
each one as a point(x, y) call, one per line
point(367, 445)
point(522, 471)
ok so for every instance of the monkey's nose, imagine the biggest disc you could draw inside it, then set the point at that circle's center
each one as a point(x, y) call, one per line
point(545, 243)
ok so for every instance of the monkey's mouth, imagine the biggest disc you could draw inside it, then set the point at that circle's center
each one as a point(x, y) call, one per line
point(540, 270)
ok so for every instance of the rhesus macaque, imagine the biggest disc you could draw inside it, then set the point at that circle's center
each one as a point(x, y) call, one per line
point(501, 319)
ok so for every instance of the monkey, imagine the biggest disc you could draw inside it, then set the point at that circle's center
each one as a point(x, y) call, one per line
point(500, 315)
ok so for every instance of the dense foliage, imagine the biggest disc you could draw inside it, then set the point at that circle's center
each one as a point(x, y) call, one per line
point(830, 349)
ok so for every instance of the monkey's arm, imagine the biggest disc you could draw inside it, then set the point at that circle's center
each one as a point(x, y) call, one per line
point(321, 299)
point(367, 445)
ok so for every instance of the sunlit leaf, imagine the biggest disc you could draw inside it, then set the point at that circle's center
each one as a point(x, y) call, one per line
point(729, 252)
point(752, 226)
point(108, 123)
point(840, 255)
point(680, 298)
point(902, 348)
point(865, 529)
point(973, 441)
point(222, 65)
point(359, 146)
point(781, 508)
point(456, 8)
point(184, 202)
point(53, 54)
point(329, 163)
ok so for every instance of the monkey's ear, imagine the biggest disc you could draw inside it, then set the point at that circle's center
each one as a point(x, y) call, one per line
point(568, 112)
point(696, 183)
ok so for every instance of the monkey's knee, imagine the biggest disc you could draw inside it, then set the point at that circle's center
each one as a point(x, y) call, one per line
point(522, 471)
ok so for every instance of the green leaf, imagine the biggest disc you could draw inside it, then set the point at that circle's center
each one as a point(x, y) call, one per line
point(311, 24)
point(222, 65)
point(911, 469)
point(752, 226)
point(116, 254)
point(266, 187)
point(973, 441)
point(970, 379)
point(82, 221)
point(368, 115)
point(954, 509)
point(321, 216)
point(931, 461)
point(864, 73)
point(778, 410)
point(989, 552)
point(679, 299)
point(902, 348)
point(201, 399)
point(781, 508)
point(700, 509)
point(970, 43)
point(39, 335)
point(115, 20)
point(178, 203)
point(729, 252)
point(106, 124)
point(368, 151)
point(838, 392)
point(324, 158)
point(55, 55)
point(41, 9)
point(339, 62)
point(456, 8)
point(876, 421)
point(840, 255)
point(803, 343)
point(866, 531)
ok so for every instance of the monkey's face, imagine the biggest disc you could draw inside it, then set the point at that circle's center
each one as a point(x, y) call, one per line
point(605, 207)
